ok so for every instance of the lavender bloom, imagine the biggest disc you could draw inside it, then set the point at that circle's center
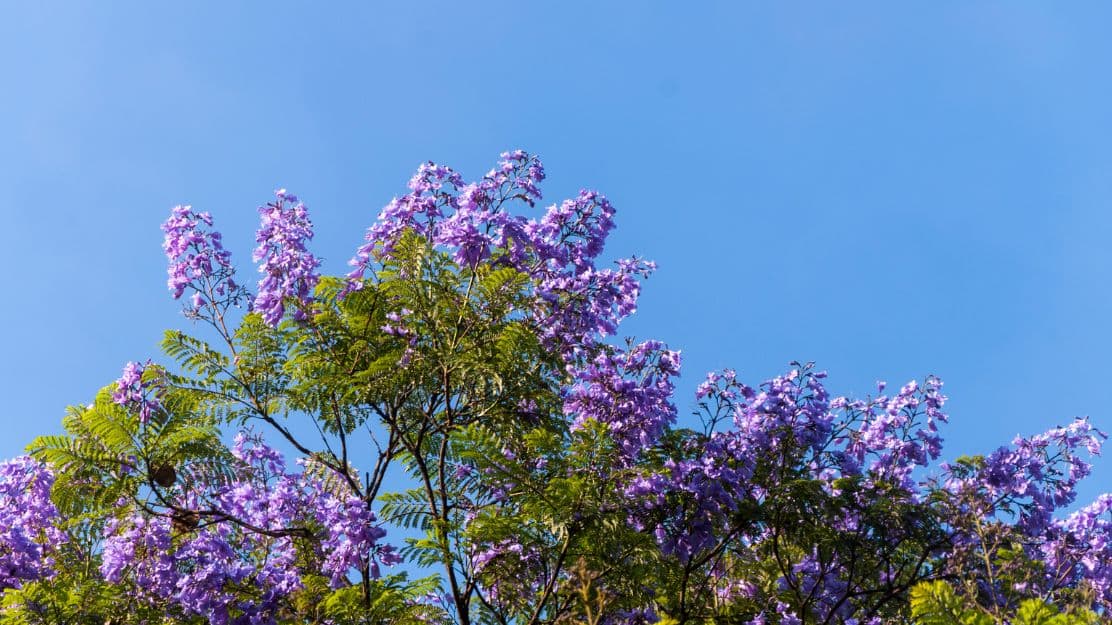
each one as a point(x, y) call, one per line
point(511, 572)
point(636, 616)
point(630, 392)
point(141, 548)
point(289, 269)
point(787, 616)
point(134, 393)
point(198, 260)
point(821, 580)
point(200, 564)
point(1030, 480)
point(28, 522)
point(468, 218)
point(575, 304)
point(1079, 552)
point(352, 538)
point(897, 434)
point(789, 427)
point(416, 211)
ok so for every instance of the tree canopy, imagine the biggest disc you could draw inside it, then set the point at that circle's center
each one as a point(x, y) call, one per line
point(546, 478)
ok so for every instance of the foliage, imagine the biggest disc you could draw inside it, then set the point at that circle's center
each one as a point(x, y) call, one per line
point(936, 603)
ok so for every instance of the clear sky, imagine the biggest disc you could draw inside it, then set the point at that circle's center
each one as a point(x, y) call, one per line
point(889, 189)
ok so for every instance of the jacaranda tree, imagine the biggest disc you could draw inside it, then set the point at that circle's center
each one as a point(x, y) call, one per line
point(452, 433)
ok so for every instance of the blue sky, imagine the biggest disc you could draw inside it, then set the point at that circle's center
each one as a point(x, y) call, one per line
point(889, 189)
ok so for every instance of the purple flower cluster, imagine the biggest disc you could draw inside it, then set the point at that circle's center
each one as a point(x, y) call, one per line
point(289, 269)
point(416, 211)
point(445, 210)
point(351, 538)
point(512, 572)
point(575, 302)
point(896, 434)
point(790, 428)
point(785, 415)
point(693, 496)
point(691, 499)
point(635, 616)
point(1079, 552)
point(137, 394)
point(198, 260)
point(758, 440)
point(1029, 481)
point(202, 554)
point(575, 310)
point(198, 573)
point(628, 391)
point(1017, 490)
point(29, 529)
point(823, 581)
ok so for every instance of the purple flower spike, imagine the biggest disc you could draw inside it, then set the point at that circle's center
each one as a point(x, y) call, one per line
point(133, 393)
point(28, 522)
point(289, 269)
point(198, 260)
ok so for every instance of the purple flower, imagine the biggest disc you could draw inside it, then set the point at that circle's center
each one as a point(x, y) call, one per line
point(198, 260)
point(29, 531)
point(511, 572)
point(630, 392)
point(1079, 552)
point(134, 393)
point(196, 562)
point(289, 269)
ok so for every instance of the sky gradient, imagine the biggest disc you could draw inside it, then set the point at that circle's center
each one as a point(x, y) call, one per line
point(888, 191)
